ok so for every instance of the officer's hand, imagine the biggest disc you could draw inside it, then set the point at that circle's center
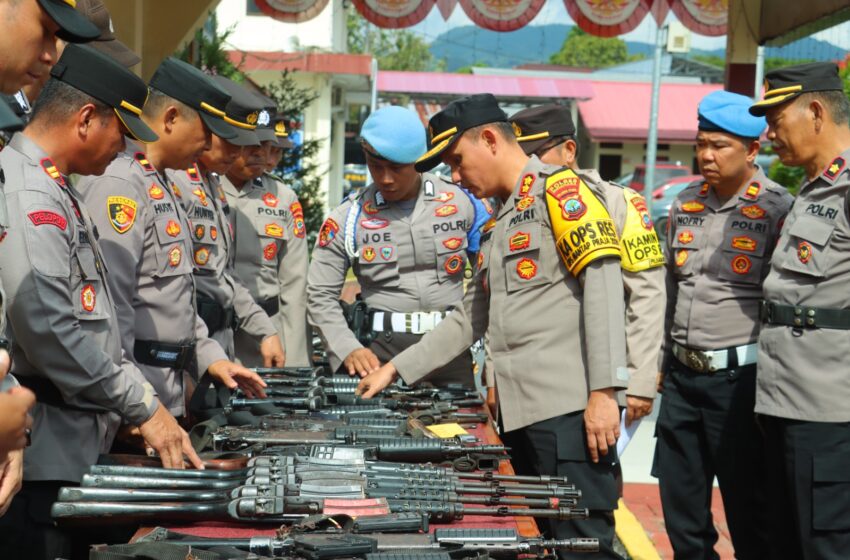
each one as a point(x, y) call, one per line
point(637, 408)
point(272, 352)
point(15, 419)
point(601, 422)
point(167, 438)
point(11, 475)
point(377, 381)
point(492, 401)
point(659, 382)
point(361, 362)
point(233, 375)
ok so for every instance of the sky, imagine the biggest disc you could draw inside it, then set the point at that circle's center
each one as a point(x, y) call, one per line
point(554, 11)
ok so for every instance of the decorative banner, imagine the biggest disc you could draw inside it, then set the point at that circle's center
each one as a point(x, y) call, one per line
point(394, 14)
point(292, 11)
point(608, 18)
point(502, 15)
point(446, 8)
point(706, 17)
point(660, 9)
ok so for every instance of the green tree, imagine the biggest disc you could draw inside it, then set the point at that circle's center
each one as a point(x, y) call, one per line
point(582, 50)
point(207, 51)
point(395, 49)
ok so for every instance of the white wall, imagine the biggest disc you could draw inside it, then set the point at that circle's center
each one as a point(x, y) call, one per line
point(262, 33)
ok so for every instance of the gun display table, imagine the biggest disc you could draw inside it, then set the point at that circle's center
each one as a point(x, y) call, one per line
point(525, 526)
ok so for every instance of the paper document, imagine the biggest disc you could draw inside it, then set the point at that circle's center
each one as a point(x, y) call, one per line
point(626, 434)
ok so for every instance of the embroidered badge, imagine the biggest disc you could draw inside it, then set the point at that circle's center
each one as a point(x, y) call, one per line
point(429, 188)
point(194, 174)
point(48, 218)
point(50, 169)
point(526, 269)
point(274, 230)
point(703, 190)
point(741, 264)
point(387, 252)
point(296, 209)
point(156, 192)
point(520, 240)
point(454, 264)
point(298, 228)
point(681, 257)
point(640, 205)
point(122, 212)
point(202, 256)
point(453, 243)
point(172, 228)
point(213, 232)
point(327, 232)
point(754, 212)
point(270, 200)
point(563, 188)
point(142, 160)
point(199, 232)
point(270, 251)
point(369, 208)
point(88, 298)
point(692, 206)
point(744, 243)
point(445, 210)
point(524, 202)
point(685, 237)
point(834, 168)
point(175, 255)
point(374, 223)
point(804, 252)
point(752, 191)
point(526, 184)
point(202, 196)
point(573, 207)
point(369, 253)
point(444, 196)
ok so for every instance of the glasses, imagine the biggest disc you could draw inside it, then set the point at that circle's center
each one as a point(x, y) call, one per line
point(539, 152)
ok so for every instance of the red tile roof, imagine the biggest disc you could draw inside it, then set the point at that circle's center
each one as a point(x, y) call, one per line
point(328, 63)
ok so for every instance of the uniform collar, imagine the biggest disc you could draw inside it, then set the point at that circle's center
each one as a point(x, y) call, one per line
point(836, 168)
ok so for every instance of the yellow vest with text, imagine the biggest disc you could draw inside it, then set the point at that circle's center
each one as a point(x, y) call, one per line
point(639, 245)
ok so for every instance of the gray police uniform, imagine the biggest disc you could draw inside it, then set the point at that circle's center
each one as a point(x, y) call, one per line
point(144, 235)
point(718, 256)
point(803, 384)
point(223, 303)
point(554, 337)
point(271, 261)
point(409, 258)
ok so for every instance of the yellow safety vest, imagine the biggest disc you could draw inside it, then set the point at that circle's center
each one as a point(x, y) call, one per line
point(640, 249)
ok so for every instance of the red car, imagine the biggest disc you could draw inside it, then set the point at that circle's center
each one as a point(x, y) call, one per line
point(663, 173)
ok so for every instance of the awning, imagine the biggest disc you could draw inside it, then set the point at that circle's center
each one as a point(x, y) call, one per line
point(619, 111)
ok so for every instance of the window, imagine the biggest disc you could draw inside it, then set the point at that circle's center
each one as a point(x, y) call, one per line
point(612, 145)
point(251, 8)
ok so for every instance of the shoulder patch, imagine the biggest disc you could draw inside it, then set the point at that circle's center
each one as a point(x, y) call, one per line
point(583, 229)
point(834, 168)
point(328, 232)
point(122, 213)
point(52, 172)
point(48, 218)
point(526, 184)
point(194, 175)
point(752, 192)
point(639, 246)
point(142, 160)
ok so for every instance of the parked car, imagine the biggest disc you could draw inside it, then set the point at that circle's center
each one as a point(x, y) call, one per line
point(663, 173)
point(662, 199)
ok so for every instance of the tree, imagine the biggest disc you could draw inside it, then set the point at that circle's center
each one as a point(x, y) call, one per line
point(395, 49)
point(207, 51)
point(582, 50)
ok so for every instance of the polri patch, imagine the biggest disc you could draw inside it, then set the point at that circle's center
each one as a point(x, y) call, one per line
point(88, 298)
point(48, 218)
point(524, 202)
point(175, 255)
point(374, 223)
point(122, 213)
point(172, 228)
point(270, 200)
point(693, 206)
point(741, 264)
point(199, 231)
point(685, 237)
point(681, 257)
point(573, 207)
point(454, 264)
point(804, 252)
point(744, 243)
point(387, 252)
point(270, 251)
point(453, 243)
point(519, 241)
point(202, 256)
point(156, 192)
point(328, 232)
point(753, 212)
point(274, 230)
point(369, 253)
point(445, 210)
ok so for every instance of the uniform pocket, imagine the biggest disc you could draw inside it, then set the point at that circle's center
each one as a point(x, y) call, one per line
point(522, 251)
point(742, 257)
point(378, 264)
point(686, 253)
point(171, 249)
point(90, 301)
point(271, 233)
point(205, 238)
point(451, 257)
point(806, 251)
point(831, 492)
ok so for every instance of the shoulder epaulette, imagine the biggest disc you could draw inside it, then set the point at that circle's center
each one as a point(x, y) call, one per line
point(194, 174)
point(52, 172)
point(142, 160)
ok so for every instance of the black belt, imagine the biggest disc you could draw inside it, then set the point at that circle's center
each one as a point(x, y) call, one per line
point(801, 316)
point(271, 306)
point(161, 354)
point(47, 393)
point(216, 316)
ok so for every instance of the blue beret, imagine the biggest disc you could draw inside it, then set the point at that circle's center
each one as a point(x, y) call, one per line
point(725, 111)
point(395, 133)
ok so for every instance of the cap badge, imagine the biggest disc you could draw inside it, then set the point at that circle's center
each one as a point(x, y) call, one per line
point(252, 117)
point(263, 118)
point(517, 129)
point(280, 128)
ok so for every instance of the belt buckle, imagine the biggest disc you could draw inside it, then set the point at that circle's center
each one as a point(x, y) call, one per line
point(697, 361)
point(421, 322)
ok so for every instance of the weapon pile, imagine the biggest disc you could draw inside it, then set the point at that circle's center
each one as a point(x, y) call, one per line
point(326, 452)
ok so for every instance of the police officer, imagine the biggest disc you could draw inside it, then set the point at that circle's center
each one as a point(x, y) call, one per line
point(145, 234)
point(67, 344)
point(548, 132)
point(223, 302)
point(803, 383)
point(405, 236)
point(722, 231)
point(555, 325)
point(271, 245)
